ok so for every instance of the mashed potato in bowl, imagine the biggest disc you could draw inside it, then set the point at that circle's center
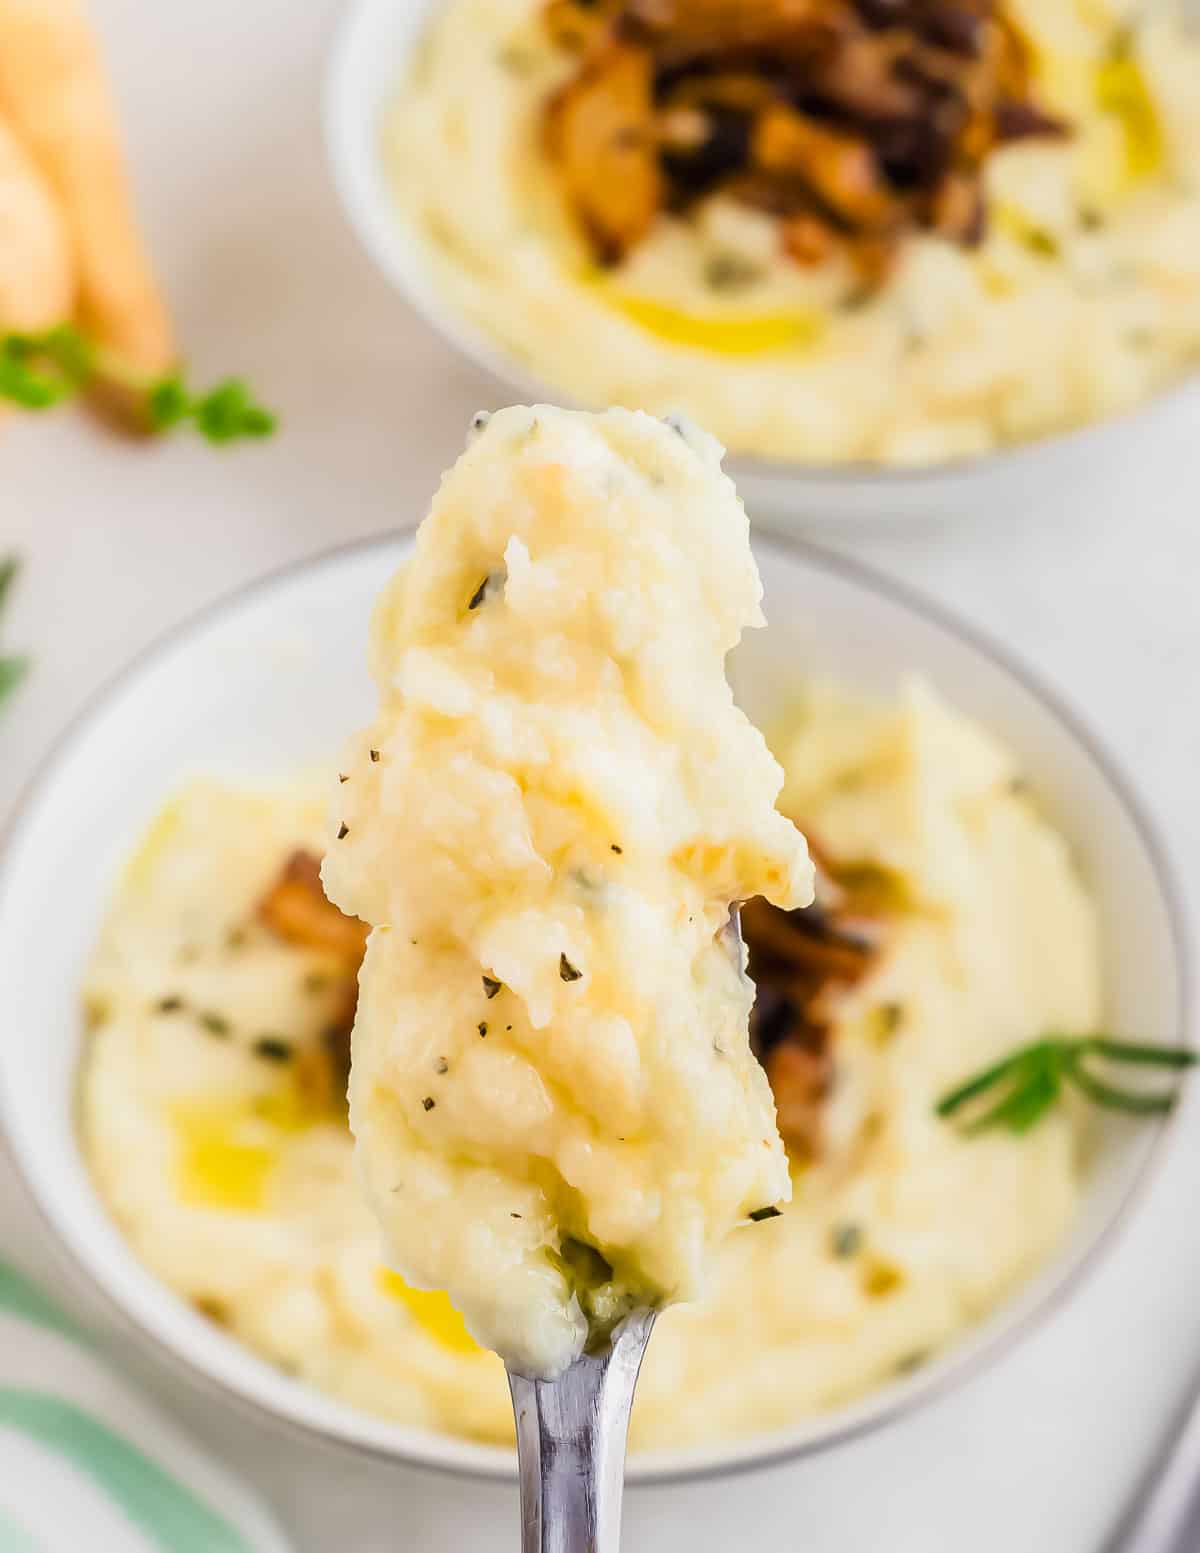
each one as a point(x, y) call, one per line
point(1081, 297)
point(213, 1119)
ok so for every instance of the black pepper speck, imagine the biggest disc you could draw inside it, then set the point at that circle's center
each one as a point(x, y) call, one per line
point(272, 1048)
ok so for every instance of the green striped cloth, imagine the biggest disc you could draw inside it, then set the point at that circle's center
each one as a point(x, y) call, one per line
point(86, 1463)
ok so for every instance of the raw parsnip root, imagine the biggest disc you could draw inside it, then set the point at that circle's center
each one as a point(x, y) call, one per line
point(54, 96)
point(37, 282)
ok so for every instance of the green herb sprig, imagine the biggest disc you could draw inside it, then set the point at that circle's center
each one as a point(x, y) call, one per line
point(39, 371)
point(1028, 1082)
point(12, 669)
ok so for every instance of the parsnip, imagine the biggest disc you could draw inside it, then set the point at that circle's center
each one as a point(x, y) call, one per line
point(54, 95)
point(37, 280)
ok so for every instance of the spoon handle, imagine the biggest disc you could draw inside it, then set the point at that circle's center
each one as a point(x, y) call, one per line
point(1166, 1517)
point(571, 1446)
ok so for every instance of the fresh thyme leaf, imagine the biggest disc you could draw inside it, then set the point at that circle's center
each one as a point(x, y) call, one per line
point(12, 672)
point(39, 371)
point(1113, 1099)
point(1136, 1051)
point(959, 1097)
point(12, 669)
point(1029, 1082)
point(1025, 1105)
point(167, 404)
point(9, 568)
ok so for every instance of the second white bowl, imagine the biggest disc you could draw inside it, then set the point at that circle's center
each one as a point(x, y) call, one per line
point(367, 65)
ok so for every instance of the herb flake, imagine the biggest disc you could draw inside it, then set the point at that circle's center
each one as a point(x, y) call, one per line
point(273, 1048)
point(567, 971)
point(845, 1240)
point(491, 987)
point(760, 1214)
point(428, 1103)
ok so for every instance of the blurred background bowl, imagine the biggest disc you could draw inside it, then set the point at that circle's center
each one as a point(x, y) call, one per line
point(272, 680)
point(368, 62)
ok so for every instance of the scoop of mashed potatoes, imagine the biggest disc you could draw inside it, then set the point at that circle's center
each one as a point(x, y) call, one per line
point(557, 1112)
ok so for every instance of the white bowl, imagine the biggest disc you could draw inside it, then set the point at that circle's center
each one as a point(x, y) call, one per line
point(272, 679)
point(368, 62)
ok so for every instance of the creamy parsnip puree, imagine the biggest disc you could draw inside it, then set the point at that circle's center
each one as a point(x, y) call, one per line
point(558, 1115)
point(214, 1121)
point(1082, 299)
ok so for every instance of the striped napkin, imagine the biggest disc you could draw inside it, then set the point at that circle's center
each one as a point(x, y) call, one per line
point(86, 1463)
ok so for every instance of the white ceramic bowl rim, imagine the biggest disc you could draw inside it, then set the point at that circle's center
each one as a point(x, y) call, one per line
point(380, 228)
point(944, 1373)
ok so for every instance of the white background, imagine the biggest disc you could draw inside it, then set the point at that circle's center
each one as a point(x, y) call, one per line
point(1097, 586)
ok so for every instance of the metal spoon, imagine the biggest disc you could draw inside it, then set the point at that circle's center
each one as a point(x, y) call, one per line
point(571, 1445)
point(571, 1431)
point(1165, 1515)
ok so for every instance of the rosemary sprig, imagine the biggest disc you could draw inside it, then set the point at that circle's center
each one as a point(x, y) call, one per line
point(12, 669)
point(1025, 1085)
point(39, 371)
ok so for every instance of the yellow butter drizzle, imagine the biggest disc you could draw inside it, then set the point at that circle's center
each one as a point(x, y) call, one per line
point(722, 334)
point(431, 1310)
point(222, 1158)
point(1121, 89)
point(227, 1150)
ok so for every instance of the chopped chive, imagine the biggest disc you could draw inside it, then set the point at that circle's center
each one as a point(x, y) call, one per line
point(760, 1214)
point(215, 1024)
point(343, 831)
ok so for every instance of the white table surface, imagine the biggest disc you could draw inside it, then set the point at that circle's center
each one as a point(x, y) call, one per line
point(1097, 587)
